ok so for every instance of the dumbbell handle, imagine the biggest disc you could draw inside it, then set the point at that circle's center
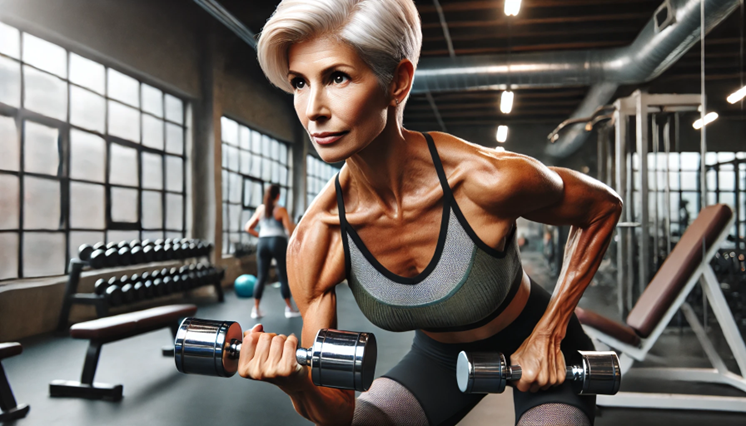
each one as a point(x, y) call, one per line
point(302, 356)
point(574, 372)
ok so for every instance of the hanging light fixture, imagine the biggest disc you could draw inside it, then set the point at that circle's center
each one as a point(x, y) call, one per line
point(512, 7)
point(737, 95)
point(709, 118)
point(502, 133)
point(506, 102)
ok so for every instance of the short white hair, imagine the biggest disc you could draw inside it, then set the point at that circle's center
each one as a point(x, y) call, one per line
point(382, 32)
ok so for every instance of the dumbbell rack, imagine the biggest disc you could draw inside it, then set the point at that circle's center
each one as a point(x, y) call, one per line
point(72, 297)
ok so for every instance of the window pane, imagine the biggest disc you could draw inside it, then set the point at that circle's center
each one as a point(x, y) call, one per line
point(152, 235)
point(726, 181)
point(152, 210)
point(283, 154)
point(9, 146)
point(673, 180)
point(689, 181)
point(41, 203)
point(124, 205)
point(8, 255)
point(174, 139)
point(245, 162)
point(10, 81)
point(244, 137)
point(229, 130)
point(233, 158)
point(87, 73)
point(10, 42)
point(43, 254)
point(711, 179)
point(256, 166)
point(87, 156)
point(79, 238)
point(689, 161)
point(257, 194)
point(174, 234)
point(224, 185)
point(152, 171)
point(234, 211)
point(266, 170)
point(266, 146)
point(728, 198)
point(152, 100)
point(44, 55)
point(41, 149)
point(123, 88)
point(87, 109)
point(275, 150)
point(44, 94)
point(87, 203)
point(688, 207)
point(283, 176)
point(9, 201)
point(174, 109)
point(174, 212)
point(247, 187)
point(226, 220)
point(235, 188)
point(152, 132)
point(117, 236)
point(124, 122)
point(174, 174)
point(123, 165)
point(256, 142)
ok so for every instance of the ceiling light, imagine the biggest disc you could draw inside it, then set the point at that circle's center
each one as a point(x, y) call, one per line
point(512, 7)
point(709, 118)
point(502, 133)
point(737, 95)
point(506, 102)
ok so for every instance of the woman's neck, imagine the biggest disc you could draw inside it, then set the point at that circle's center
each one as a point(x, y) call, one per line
point(384, 171)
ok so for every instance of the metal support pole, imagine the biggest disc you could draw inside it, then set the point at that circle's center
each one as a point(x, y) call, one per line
point(667, 194)
point(655, 190)
point(620, 158)
point(641, 115)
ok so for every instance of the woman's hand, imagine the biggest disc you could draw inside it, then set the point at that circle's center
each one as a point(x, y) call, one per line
point(270, 357)
point(542, 362)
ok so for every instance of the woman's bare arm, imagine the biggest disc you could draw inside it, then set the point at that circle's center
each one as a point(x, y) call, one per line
point(250, 226)
point(286, 221)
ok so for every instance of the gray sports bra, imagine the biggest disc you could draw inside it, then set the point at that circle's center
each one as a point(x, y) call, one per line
point(466, 284)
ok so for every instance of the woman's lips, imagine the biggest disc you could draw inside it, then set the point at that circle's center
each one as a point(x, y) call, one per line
point(328, 138)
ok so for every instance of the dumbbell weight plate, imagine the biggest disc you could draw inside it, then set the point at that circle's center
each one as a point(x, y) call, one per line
point(111, 257)
point(128, 293)
point(113, 295)
point(98, 259)
point(85, 251)
point(137, 255)
point(124, 256)
point(140, 290)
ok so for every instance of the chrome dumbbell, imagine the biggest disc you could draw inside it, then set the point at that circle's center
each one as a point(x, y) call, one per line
point(338, 359)
point(488, 372)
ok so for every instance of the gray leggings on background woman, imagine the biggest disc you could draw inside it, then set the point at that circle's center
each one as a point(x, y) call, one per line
point(268, 248)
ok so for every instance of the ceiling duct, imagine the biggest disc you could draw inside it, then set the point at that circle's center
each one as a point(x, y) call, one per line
point(674, 28)
point(226, 18)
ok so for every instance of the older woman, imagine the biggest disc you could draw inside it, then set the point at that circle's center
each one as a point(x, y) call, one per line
point(422, 226)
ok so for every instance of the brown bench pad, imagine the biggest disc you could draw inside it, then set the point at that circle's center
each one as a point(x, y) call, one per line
point(8, 350)
point(678, 268)
point(132, 322)
point(617, 330)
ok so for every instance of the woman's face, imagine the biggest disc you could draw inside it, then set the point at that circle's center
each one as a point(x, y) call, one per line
point(337, 97)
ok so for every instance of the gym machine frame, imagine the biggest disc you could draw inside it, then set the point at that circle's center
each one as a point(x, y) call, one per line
point(72, 297)
point(639, 105)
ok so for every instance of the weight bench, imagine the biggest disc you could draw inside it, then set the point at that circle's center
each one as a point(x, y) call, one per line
point(111, 329)
point(688, 264)
point(9, 409)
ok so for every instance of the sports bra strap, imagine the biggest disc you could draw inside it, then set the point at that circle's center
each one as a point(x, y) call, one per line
point(438, 167)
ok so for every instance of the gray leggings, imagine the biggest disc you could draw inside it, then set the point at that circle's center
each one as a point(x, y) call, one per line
point(268, 248)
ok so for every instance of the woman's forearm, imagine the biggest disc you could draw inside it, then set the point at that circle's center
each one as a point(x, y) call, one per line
point(324, 406)
point(584, 251)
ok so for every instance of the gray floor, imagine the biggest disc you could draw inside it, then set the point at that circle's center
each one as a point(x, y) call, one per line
point(156, 394)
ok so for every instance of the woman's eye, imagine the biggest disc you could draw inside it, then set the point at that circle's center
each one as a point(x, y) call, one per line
point(297, 83)
point(339, 78)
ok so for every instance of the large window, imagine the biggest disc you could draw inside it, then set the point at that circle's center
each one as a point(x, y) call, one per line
point(318, 173)
point(251, 161)
point(88, 154)
point(726, 183)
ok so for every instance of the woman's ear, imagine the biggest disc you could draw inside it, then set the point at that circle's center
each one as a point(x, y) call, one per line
point(402, 82)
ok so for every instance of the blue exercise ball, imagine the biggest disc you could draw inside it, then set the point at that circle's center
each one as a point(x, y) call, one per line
point(244, 285)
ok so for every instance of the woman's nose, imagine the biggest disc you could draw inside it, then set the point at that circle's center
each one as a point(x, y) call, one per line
point(316, 108)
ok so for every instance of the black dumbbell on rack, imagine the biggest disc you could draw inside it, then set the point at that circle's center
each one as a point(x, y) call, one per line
point(111, 293)
point(338, 359)
point(488, 372)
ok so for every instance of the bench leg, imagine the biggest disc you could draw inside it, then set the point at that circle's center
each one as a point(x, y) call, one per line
point(10, 410)
point(85, 388)
point(219, 291)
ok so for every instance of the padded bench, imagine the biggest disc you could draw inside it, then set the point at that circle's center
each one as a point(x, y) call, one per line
point(111, 329)
point(9, 409)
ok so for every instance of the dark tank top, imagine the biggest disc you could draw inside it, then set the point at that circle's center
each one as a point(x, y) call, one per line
point(466, 284)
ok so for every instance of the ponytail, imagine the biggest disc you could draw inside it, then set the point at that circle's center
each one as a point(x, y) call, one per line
point(270, 195)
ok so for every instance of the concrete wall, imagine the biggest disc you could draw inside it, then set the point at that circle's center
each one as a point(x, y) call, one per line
point(175, 45)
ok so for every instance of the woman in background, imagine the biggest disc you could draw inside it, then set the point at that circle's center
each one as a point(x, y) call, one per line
point(275, 226)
